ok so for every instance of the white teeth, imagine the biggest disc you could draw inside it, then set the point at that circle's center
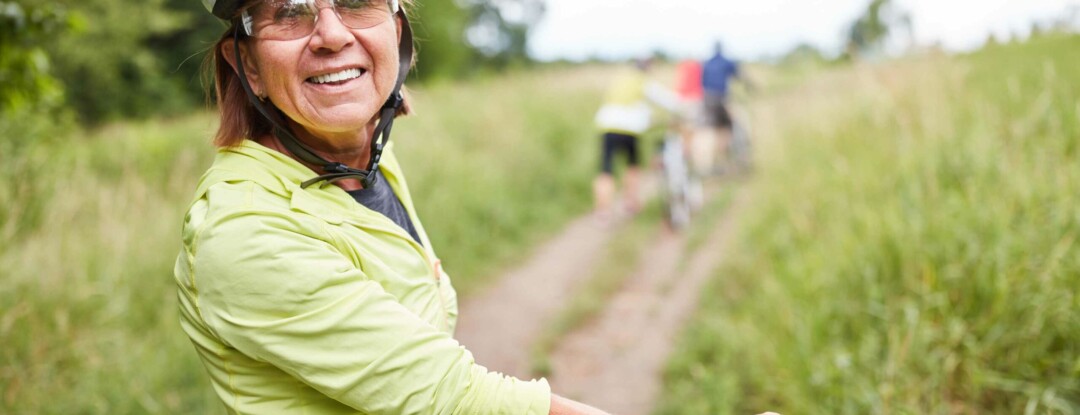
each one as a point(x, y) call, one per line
point(336, 77)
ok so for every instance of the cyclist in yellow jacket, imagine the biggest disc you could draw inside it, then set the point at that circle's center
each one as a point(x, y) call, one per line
point(624, 117)
point(306, 280)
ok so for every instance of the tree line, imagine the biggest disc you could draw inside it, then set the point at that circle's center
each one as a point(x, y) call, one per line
point(93, 61)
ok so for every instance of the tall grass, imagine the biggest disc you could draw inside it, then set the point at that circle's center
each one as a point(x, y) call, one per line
point(88, 317)
point(912, 247)
point(87, 305)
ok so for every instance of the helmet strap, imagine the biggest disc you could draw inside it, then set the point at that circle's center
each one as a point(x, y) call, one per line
point(335, 170)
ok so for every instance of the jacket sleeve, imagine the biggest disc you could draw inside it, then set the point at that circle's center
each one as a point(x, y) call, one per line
point(272, 288)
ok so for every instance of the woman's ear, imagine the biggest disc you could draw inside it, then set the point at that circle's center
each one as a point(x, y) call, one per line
point(250, 69)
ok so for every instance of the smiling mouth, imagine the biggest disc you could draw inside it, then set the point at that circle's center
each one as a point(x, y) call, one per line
point(337, 77)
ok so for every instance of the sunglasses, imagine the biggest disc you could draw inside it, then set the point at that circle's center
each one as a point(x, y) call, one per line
point(295, 19)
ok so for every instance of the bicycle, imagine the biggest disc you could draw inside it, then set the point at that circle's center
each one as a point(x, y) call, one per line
point(681, 191)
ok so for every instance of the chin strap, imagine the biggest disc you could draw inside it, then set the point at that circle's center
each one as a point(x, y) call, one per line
point(334, 170)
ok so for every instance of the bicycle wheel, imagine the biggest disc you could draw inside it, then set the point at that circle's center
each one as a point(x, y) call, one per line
point(676, 180)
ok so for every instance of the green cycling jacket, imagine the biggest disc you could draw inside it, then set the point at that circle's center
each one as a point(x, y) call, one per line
point(303, 301)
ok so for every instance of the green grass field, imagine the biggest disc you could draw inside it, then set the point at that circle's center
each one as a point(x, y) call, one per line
point(90, 231)
point(911, 246)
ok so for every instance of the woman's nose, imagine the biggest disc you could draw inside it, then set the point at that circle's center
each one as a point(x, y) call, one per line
point(330, 33)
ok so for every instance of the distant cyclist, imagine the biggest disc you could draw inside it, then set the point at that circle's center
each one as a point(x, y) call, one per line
point(624, 117)
point(688, 85)
point(700, 142)
point(717, 73)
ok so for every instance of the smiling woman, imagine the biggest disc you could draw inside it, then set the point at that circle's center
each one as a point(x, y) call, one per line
point(308, 284)
point(278, 25)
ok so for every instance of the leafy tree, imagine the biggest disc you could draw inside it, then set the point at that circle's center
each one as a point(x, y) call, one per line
point(499, 29)
point(109, 66)
point(134, 59)
point(30, 110)
point(182, 51)
point(460, 36)
point(31, 98)
point(869, 32)
point(25, 77)
point(440, 26)
point(803, 54)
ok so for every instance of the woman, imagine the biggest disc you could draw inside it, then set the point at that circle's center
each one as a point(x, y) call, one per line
point(308, 285)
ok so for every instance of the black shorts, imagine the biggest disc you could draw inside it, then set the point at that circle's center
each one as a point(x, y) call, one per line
point(716, 112)
point(615, 142)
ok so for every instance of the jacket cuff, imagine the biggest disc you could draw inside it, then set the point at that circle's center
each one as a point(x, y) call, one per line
point(495, 393)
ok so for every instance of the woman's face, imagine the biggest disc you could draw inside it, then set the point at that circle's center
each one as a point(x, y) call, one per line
point(301, 76)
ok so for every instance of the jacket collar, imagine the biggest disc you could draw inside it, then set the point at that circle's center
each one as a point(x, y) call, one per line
point(282, 175)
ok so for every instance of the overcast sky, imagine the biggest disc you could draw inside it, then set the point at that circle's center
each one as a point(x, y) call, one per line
point(578, 29)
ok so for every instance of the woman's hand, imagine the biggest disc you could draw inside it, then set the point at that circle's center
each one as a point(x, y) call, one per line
point(563, 406)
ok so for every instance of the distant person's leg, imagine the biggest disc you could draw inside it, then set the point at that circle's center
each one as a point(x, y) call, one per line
point(603, 191)
point(703, 149)
point(604, 184)
point(724, 148)
point(631, 188)
point(724, 136)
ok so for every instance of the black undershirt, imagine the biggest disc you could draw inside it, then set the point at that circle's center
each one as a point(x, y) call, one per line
point(381, 198)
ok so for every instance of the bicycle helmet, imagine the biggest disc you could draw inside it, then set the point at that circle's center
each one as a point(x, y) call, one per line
point(334, 171)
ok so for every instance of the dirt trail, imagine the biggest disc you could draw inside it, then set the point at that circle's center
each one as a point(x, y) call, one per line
point(500, 324)
point(615, 361)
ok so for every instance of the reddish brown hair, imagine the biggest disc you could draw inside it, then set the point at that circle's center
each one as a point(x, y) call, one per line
point(239, 118)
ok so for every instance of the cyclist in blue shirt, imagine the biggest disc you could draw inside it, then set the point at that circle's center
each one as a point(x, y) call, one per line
point(717, 73)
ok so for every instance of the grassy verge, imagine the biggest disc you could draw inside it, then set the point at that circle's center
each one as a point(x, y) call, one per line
point(912, 247)
point(701, 228)
point(88, 316)
point(705, 223)
point(87, 310)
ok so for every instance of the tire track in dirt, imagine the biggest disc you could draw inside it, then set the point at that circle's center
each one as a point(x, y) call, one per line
point(501, 324)
point(616, 361)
